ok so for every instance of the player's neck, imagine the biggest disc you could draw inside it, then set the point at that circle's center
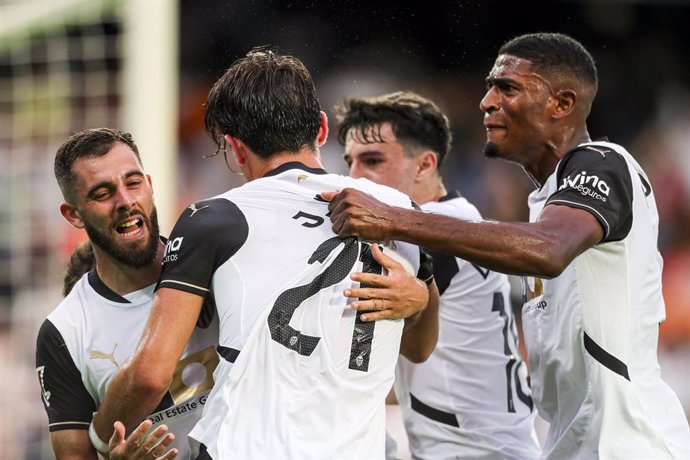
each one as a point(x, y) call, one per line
point(430, 190)
point(307, 156)
point(122, 278)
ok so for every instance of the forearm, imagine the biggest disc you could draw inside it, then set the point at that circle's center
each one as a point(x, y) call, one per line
point(513, 248)
point(129, 399)
point(419, 339)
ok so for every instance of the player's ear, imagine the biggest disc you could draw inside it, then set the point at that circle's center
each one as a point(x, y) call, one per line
point(323, 130)
point(564, 102)
point(71, 215)
point(427, 163)
point(239, 150)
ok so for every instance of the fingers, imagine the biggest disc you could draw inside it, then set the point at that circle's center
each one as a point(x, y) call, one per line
point(152, 440)
point(384, 260)
point(138, 436)
point(373, 279)
point(140, 445)
point(169, 455)
point(328, 196)
point(379, 315)
point(159, 448)
point(118, 435)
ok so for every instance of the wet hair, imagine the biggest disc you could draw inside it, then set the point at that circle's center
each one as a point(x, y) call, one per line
point(80, 262)
point(85, 144)
point(268, 101)
point(417, 122)
point(555, 55)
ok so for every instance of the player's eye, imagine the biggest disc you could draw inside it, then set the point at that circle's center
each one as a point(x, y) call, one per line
point(101, 195)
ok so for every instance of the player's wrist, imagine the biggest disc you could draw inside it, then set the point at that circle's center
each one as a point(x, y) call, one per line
point(97, 442)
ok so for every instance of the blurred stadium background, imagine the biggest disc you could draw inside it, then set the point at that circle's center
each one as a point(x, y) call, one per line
point(146, 66)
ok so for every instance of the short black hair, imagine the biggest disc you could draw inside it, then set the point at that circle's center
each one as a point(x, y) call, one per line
point(94, 142)
point(268, 101)
point(414, 119)
point(555, 54)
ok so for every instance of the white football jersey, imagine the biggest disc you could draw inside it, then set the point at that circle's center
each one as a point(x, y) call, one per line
point(309, 379)
point(592, 332)
point(91, 333)
point(470, 399)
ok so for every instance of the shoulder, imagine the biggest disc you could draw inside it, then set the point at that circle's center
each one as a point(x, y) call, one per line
point(383, 193)
point(71, 306)
point(457, 206)
point(207, 222)
point(591, 159)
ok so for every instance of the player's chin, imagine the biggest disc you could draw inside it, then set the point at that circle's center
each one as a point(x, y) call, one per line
point(492, 150)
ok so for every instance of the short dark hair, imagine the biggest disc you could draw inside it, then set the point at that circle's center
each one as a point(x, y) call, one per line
point(414, 119)
point(555, 54)
point(94, 142)
point(268, 101)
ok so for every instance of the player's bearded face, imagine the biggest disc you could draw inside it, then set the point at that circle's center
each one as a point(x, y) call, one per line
point(135, 253)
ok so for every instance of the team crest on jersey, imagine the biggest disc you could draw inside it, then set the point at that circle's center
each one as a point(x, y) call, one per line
point(359, 360)
point(45, 393)
point(588, 185)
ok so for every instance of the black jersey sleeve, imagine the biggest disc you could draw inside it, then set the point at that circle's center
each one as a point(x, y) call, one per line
point(426, 267)
point(205, 236)
point(598, 181)
point(68, 404)
point(426, 261)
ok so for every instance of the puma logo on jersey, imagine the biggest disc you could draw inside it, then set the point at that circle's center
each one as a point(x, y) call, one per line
point(101, 355)
point(301, 177)
point(195, 209)
point(600, 152)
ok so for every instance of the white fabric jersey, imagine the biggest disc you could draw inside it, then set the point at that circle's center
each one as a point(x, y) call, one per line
point(309, 379)
point(592, 332)
point(470, 399)
point(90, 334)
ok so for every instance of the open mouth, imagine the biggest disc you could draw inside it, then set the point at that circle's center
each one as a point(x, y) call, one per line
point(130, 227)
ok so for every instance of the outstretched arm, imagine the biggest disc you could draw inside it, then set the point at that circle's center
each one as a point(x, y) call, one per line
point(543, 248)
point(143, 380)
point(400, 294)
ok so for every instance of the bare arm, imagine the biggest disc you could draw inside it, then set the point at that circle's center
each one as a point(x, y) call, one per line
point(72, 445)
point(400, 295)
point(142, 382)
point(543, 248)
point(420, 337)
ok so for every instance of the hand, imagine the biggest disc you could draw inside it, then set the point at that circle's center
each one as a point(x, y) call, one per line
point(397, 295)
point(355, 213)
point(139, 445)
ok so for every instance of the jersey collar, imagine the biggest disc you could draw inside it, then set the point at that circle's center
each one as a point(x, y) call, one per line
point(99, 286)
point(450, 196)
point(294, 165)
